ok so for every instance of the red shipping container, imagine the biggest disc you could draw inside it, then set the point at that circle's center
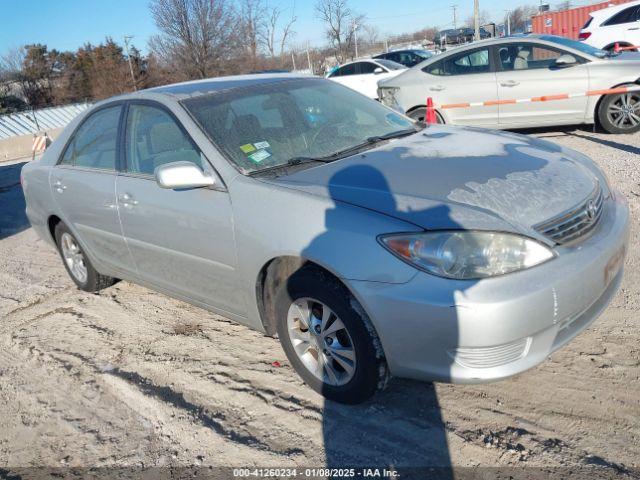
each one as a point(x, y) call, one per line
point(568, 23)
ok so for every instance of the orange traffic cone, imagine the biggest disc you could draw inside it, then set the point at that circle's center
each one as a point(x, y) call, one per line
point(430, 117)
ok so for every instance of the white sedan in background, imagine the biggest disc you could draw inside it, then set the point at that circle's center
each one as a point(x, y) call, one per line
point(502, 71)
point(363, 75)
point(619, 24)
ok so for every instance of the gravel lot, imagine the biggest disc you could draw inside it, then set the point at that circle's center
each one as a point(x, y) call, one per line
point(129, 377)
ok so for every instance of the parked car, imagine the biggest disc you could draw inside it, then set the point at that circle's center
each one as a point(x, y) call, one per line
point(619, 24)
point(523, 67)
point(363, 75)
point(369, 244)
point(469, 34)
point(408, 58)
point(452, 36)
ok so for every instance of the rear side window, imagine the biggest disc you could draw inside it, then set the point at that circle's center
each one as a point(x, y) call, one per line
point(367, 67)
point(153, 138)
point(94, 144)
point(346, 70)
point(627, 15)
point(465, 63)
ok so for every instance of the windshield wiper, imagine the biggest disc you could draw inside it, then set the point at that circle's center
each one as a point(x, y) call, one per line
point(292, 162)
point(397, 134)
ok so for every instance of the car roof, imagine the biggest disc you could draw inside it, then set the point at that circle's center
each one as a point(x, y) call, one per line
point(196, 88)
point(609, 11)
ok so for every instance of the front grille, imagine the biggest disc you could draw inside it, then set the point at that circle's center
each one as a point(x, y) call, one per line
point(488, 357)
point(576, 223)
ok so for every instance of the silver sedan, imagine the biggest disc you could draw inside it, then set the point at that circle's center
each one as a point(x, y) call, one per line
point(371, 245)
point(506, 71)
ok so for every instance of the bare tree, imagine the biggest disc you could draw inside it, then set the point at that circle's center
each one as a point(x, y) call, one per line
point(519, 18)
point(198, 38)
point(271, 38)
point(340, 21)
point(253, 15)
point(484, 18)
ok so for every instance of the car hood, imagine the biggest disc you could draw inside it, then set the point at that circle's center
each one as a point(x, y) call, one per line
point(626, 57)
point(456, 177)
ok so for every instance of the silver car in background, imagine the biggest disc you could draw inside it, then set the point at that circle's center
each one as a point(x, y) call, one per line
point(371, 245)
point(522, 67)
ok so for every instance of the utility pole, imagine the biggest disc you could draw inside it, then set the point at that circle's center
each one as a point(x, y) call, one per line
point(355, 37)
point(455, 17)
point(508, 23)
point(126, 46)
point(309, 59)
point(476, 18)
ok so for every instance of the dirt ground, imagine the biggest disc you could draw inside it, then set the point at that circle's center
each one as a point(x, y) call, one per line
point(131, 378)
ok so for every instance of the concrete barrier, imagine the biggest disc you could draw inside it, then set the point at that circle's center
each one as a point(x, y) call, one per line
point(18, 147)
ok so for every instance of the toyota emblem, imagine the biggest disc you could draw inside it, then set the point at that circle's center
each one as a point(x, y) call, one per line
point(592, 210)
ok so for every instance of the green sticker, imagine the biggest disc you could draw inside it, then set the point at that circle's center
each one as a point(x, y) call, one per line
point(259, 156)
point(247, 148)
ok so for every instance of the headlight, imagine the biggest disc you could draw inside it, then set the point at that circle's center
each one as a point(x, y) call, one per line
point(465, 255)
point(387, 97)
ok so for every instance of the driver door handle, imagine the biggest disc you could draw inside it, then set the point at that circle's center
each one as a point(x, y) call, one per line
point(437, 88)
point(510, 83)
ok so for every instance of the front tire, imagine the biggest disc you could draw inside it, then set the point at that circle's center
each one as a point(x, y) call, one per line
point(620, 113)
point(75, 261)
point(328, 338)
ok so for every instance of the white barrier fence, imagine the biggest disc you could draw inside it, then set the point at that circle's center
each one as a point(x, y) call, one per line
point(31, 122)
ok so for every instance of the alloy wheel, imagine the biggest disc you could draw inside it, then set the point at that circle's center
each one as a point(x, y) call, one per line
point(321, 341)
point(624, 112)
point(73, 257)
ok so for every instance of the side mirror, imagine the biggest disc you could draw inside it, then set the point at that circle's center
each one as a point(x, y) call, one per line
point(565, 60)
point(378, 71)
point(177, 175)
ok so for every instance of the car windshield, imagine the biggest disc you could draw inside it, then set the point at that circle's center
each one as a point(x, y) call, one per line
point(269, 125)
point(580, 46)
point(390, 64)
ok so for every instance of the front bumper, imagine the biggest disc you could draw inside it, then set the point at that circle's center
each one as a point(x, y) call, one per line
point(475, 331)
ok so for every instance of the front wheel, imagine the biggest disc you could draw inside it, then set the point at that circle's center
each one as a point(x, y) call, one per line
point(328, 339)
point(620, 113)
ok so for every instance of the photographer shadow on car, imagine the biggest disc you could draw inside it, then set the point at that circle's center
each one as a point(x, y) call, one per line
point(401, 428)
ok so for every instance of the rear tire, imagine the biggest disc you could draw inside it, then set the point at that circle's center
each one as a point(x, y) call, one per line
point(76, 262)
point(300, 305)
point(420, 113)
point(620, 113)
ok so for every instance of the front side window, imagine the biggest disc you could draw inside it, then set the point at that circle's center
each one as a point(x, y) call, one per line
point(94, 144)
point(527, 56)
point(153, 138)
point(465, 63)
point(269, 125)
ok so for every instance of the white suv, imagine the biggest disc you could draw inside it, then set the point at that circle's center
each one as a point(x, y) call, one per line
point(619, 24)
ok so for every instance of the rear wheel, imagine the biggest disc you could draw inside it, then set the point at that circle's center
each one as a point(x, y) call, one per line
point(328, 338)
point(419, 115)
point(77, 264)
point(620, 113)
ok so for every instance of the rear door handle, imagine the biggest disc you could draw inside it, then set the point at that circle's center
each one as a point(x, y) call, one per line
point(634, 28)
point(59, 186)
point(510, 83)
point(437, 88)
